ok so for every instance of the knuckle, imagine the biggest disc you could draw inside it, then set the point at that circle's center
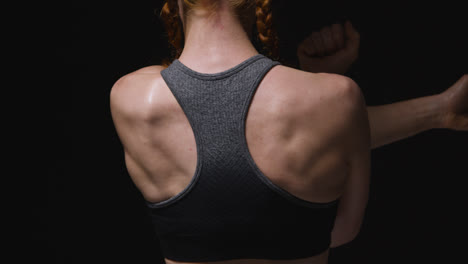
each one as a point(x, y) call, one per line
point(325, 30)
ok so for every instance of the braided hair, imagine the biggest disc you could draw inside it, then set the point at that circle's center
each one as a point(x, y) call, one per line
point(264, 25)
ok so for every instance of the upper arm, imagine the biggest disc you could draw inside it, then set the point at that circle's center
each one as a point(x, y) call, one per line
point(120, 109)
point(120, 106)
point(357, 145)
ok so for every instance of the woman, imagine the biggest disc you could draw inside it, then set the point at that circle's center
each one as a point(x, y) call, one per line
point(295, 184)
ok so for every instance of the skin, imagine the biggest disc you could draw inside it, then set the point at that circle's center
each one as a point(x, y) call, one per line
point(335, 48)
point(282, 136)
point(159, 145)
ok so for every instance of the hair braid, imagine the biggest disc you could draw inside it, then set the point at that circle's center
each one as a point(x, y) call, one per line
point(173, 24)
point(266, 31)
point(174, 28)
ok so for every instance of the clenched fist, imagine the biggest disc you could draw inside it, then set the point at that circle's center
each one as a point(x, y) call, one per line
point(332, 49)
point(455, 115)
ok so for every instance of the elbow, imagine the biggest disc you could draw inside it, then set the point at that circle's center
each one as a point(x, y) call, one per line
point(341, 238)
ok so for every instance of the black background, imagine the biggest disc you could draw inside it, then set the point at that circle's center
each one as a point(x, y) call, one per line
point(94, 213)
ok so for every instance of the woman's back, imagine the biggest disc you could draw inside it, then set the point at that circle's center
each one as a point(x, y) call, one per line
point(296, 130)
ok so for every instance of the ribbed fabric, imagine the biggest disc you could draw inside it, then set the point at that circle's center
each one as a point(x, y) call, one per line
point(230, 209)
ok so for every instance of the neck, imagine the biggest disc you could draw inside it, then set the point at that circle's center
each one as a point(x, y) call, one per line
point(216, 42)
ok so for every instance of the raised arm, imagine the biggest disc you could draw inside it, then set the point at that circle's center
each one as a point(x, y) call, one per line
point(334, 49)
point(392, 122)
point(396, 121)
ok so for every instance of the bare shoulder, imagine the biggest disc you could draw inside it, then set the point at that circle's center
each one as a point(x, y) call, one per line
point(135, 82)
point(327, 91)
point(331, 100)
point(134, 92)
point(340, 89)
point(341, 97)
point(345, 109)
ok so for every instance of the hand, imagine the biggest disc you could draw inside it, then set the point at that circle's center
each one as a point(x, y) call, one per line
point(332, 50)
point(455, 102)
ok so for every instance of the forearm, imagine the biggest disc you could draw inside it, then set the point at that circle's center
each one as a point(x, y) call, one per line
point(396, 121)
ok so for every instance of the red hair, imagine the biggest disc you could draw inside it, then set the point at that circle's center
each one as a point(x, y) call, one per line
point(264, 24)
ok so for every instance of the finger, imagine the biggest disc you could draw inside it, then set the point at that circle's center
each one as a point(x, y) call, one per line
point(352, 36)
point(307, 47)
point(328, 42)
point(310, 49)
point(318, 43)
point(464, 124)
point(338, 35)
